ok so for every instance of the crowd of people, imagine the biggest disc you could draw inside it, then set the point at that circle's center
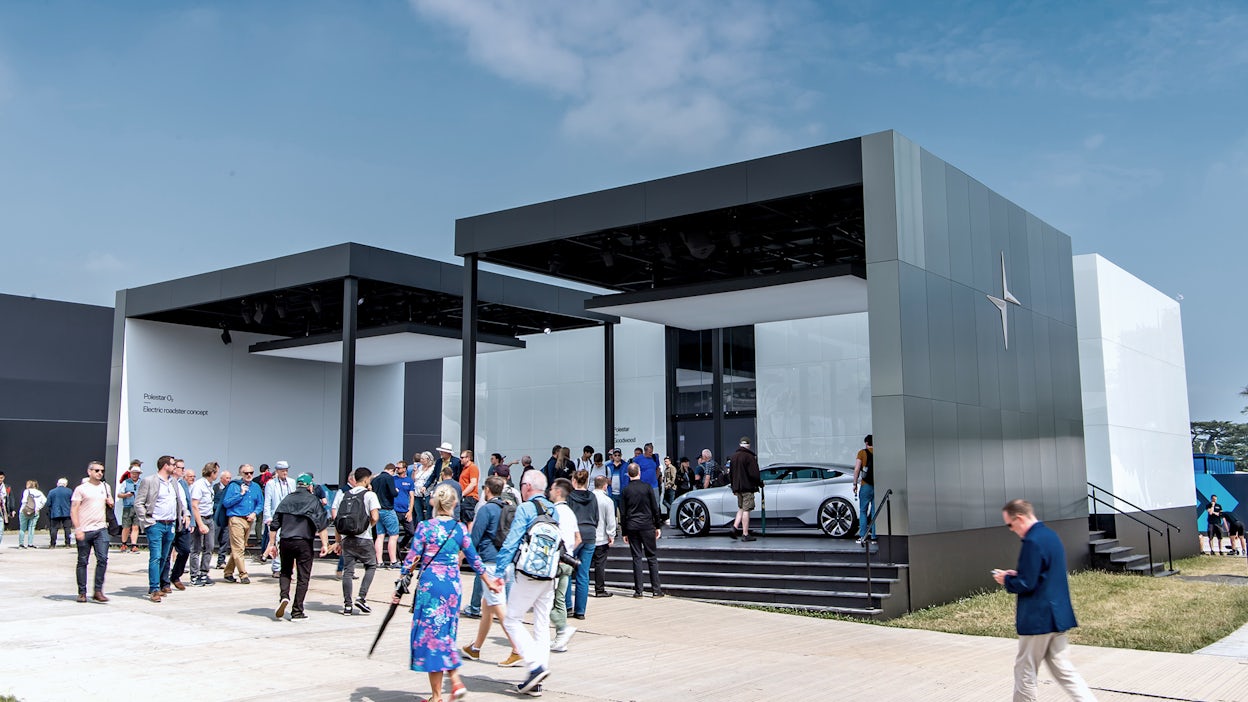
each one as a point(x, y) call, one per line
point(537, 538)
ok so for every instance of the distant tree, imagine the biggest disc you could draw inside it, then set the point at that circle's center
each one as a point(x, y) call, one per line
point(1243, 392)
point(1224, 438)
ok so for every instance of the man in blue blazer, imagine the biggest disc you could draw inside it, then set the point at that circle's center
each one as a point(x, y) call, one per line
point(1044, 612)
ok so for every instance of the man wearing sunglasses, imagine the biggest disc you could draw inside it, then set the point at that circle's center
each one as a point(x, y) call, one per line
point(87, 512)
point(242, 501)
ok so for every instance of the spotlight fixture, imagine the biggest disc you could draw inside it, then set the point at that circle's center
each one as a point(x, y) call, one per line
point(608, 258)
point(246, 312)
point(546, 330)
point(316, 304)
point(280, 308)
point(259, 312)
point(225, 334)
point(666, 250)
point(359, 302)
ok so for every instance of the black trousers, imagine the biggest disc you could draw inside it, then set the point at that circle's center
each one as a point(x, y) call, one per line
point(182, 544)
point(61, 524)
point(642, 544)
point(406, 531)
point(223, 542)
point(295, 553)
point(92, 541)
point(598, 564)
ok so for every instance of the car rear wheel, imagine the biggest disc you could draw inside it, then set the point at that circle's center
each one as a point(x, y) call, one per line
point(836, 518)
point(693, 518)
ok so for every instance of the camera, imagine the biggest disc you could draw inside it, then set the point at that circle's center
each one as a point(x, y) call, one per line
point(569, 559)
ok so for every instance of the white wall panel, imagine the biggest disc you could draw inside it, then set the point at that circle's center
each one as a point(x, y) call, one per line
point(552, 392)
point(222, 404)
point(1133, 374)
point(814, 388)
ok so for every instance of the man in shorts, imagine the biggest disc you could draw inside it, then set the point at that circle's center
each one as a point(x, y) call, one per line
point(484, 533)
point(745, 481)
point(129, 525)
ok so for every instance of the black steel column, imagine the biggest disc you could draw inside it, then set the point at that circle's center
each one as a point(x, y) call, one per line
point(346, 417)
point(717, 391)
point(468, 392)
point(608, 386)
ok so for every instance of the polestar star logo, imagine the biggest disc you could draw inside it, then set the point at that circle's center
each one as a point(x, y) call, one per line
point(1007, 298)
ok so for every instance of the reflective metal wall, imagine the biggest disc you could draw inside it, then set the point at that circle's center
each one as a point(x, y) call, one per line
point(961, 422)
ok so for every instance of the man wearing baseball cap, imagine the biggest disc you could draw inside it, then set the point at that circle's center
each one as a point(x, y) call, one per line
point(129, 525)
point(294, 521)
point(278, 487)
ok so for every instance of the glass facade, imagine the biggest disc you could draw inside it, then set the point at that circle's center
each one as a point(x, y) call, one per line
point(698, 373)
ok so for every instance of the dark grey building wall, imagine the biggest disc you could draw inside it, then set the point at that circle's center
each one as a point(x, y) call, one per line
point(422, 408)
point(961, 422)
point(53, 389)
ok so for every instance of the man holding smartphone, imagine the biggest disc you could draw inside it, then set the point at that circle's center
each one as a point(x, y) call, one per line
point(1044, 613)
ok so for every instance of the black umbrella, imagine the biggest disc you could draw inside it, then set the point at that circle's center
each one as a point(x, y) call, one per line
point(401, 588)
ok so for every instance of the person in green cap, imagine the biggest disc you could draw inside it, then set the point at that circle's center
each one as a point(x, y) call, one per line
point(298, 517)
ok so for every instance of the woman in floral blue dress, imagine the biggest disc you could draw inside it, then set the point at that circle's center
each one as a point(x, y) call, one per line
point(437, 546)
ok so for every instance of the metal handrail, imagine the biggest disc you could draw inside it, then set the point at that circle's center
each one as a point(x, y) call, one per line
point(1148, 534)
point(887, 504)
point(1096, 487)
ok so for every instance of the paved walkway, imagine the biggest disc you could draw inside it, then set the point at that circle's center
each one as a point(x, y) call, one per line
point(221, 643)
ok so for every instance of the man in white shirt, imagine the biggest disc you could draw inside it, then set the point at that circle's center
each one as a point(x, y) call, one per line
point(559, 492)
point(203, 531)
point(160, 506)
point(277, 489)
point(358, 548)
point(604, 537)
point(586, 461)
point(87, 511)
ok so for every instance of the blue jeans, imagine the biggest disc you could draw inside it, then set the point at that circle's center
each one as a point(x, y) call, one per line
point(866, 509)
point(96, 541)
point(26, 528)
point(159, 544)
point(580, 578)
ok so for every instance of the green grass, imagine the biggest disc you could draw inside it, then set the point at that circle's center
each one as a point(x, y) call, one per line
point(1113, 609)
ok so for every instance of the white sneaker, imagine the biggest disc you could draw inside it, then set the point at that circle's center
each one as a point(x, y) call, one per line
point(560, 644)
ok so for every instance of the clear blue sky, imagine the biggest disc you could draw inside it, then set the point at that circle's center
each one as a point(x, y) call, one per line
point(141, 141)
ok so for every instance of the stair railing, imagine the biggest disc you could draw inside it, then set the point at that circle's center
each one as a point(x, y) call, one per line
point(1149, 527)
point(886, 503)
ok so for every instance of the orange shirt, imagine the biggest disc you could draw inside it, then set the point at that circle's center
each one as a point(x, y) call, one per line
point(468, 474)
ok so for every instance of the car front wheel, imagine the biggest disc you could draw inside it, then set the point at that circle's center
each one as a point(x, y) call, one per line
point(836, 518)
point(693, 518)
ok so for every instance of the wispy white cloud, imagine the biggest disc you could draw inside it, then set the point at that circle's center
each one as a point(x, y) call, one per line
point(1141, 54)
point(685, 76)
point(102, 262)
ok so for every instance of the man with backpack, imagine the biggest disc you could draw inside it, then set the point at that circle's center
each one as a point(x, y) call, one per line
point(864, 487)
point(487, 536)
point(533, 543)
point(355, 511)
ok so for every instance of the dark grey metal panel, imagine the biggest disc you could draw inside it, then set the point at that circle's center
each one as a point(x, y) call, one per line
point(879, 197)
point(999, 230)
point(920, 466)
point(935, 215)
point(966, 343)
point(710, 189)
point(1032, 480)
point(617, 207)
point(817, 168)
point(45, 451)
point(1050, 475)
point(991, 435)
point(985, 260)
point(783, 175)
point(884, 328)
point(953, 498)
point(1040, 289)
point(54, 364)
point(1014, 447)
point(915, 358)
point(958, 208)
point(1066, 279)
point(942, 350)
point(422, 406)
point(989, 344)
point(888, 422)
point(1023, 334)
point(518, 225)
point(1044, 367)
point(1016, 260)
